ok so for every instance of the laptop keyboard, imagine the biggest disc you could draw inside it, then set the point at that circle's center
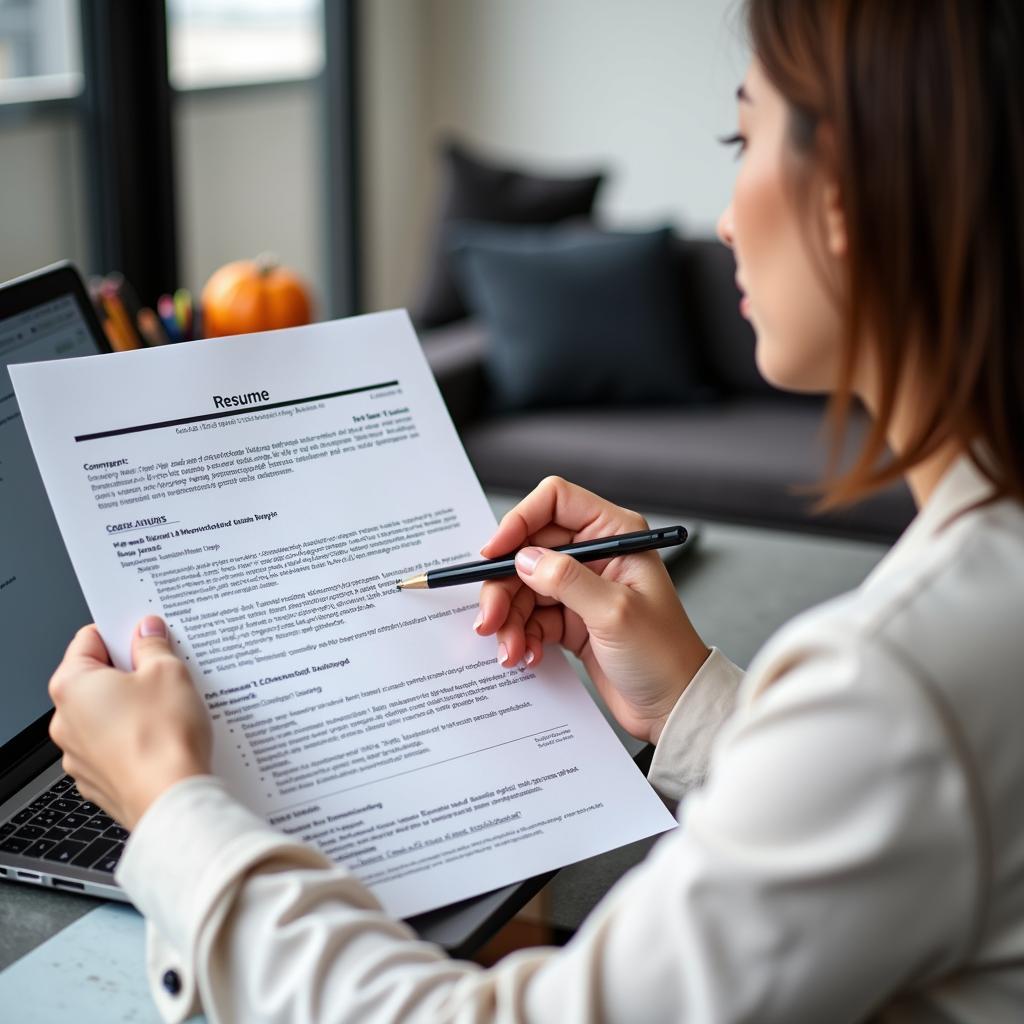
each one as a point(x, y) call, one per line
point(63, 827)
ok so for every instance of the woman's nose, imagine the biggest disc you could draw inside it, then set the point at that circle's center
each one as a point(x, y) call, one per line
point(724, 226)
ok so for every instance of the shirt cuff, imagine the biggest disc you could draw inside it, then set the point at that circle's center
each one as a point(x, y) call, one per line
point(193, 842)
point(680, 761)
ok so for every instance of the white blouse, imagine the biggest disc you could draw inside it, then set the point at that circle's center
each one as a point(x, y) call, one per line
point(856, 851)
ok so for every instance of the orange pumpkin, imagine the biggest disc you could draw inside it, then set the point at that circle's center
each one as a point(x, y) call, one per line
point(253, 295)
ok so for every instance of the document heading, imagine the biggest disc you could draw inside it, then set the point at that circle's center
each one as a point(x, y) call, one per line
point(230, 401)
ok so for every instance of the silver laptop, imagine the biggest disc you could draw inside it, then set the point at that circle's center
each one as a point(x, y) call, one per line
point(49, 834)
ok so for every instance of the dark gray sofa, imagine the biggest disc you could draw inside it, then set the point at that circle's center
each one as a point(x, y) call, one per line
point(736, 459)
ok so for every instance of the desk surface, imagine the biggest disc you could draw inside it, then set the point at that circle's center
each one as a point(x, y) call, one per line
point(775, 575)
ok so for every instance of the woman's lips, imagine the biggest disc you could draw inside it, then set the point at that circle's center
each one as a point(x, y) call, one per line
point(744, 300)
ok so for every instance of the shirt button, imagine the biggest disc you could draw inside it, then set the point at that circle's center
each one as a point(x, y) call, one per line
point(171, 982)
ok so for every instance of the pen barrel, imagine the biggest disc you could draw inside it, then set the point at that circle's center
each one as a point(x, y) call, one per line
point(472, 572)
point(582, 551)
point(624, 544)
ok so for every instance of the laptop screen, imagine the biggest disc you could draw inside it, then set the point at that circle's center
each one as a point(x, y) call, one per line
point(41, 605)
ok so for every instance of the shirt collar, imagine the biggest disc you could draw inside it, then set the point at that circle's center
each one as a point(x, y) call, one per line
point(961, 486)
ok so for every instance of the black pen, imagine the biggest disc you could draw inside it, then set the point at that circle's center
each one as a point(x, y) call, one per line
point(582, 551)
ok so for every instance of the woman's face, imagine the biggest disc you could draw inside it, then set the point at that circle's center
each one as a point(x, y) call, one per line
point(794, 315)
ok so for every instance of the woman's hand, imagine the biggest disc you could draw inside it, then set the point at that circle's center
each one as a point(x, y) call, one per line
point(621, 617)
point(128, 736)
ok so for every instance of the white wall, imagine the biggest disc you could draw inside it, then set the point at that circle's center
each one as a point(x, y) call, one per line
point(42, 189)
point(641, 88)
point(395, 132)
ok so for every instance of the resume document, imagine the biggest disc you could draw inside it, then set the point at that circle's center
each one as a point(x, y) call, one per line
point(264, 494)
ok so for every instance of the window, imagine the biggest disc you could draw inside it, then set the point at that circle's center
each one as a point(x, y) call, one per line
point(42, 166)
point(162, 138)
point(40, 50)
point(235, 42)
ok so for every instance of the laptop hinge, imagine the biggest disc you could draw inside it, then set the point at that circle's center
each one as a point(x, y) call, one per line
point(27, 768)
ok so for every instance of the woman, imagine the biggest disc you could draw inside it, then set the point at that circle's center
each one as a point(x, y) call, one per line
point(858, 846)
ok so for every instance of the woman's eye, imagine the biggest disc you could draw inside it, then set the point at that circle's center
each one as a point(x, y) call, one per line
point(737, 140)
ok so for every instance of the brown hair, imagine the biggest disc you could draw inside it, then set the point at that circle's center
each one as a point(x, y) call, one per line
point(924, 102)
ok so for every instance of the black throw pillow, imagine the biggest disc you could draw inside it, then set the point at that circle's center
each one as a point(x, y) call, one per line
point(475, 189)
point(577, 316)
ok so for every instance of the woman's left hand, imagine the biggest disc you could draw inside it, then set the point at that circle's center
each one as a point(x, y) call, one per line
point(128, 736)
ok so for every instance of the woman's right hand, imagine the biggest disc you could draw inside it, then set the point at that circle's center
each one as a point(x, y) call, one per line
point(621, 616)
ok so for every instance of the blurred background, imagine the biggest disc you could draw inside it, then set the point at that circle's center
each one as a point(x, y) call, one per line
point(537, 181)
point(163, 139)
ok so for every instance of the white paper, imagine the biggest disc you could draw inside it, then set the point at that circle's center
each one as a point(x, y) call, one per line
point(372, 722)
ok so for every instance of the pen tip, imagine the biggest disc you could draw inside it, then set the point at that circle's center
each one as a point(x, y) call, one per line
point(414, 583)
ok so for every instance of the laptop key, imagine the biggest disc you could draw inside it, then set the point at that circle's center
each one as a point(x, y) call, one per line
point(30, 832)
point(14, 844)
point(101, 821)
point(85, 835)
point(87, 807)
point(109, 862)
point(116, 832)
point(64, 852)
point(62, 784)
point(22, 816)
point(6, 829)
point(65, 805)
point(41, 847)
point(57, 832)
point(92, 853)
point(75, 820)
point(47, 818)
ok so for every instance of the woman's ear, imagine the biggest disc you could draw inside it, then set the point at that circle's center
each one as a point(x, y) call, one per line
point(835, 220)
